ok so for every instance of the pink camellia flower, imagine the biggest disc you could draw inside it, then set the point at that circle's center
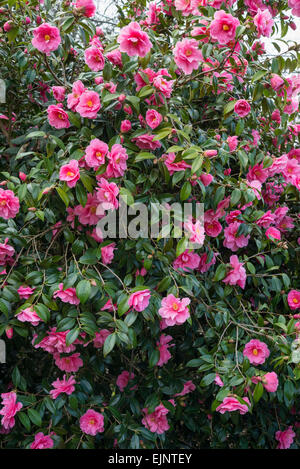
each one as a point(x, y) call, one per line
point(70, 173)
point(9, 332)
point(42, 441)
point(231, 404)
point(139, 300)
point(270, 381)
point(264, 22)
point(54, 342)
point(59, 93)
point(107, 253)
point(153, 118)
point(89, 104)
point(204, 266)
point(189, 7)
point(9, 204)
point(86, 7)
point(236, 276)
point(107, 194)
point(295, 5)
point(273, 233)
point(277, 83)
point(63, 386)
point(187, 55)
point(195, 231)
point(115, 57)
point(58, 117)
point(92, 422)
point(100, 338)
point(146, 142)
point(117, 162)
point(285, 439)
point(187, 260)
point(70, 364)
point(212, 226)
point(29, 315)
point(6, 252)
point(157, 421)
point(95, 153)
point(133, 41)
point(174, 310)
point(91, 213)
point(9, 409)
point(210, 153)
point(163, 346)
point(46, 38)
point(174, 167)
point(232, 142)
point(187, 388)
point(232, 241)
point(73, 98)
point(242, 107)
point(293, 299)
point(67, 296)
point(125, 126)
point(123, 379)
point(218, 381)
point(266, 219)
point(256, 352)
point(94, 58)
point(223, 27)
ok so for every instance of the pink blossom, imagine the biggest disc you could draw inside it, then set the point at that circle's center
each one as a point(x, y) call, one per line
point(133, 41)
point(232, 142)
point(295, 5)
point(9, 409)
point(212, 226)
point(293, 299)
point(223, 27)
point(157, 421)
point(125, 126)
point(107, 253)
point(95, 153)
point(42, 441)
point(9, 204)
point(153, 118)
point(264, 22)
point(270, 381)
point(70, 364)
point(173, 167)
point(266, 219)
point(70, 173)
point(187, 55)
point(123, 379)
point(67, 296)
point(242, 107)
point(257, 173)
point(218, 381)
point(163, 346)
point(86, 7)
point(46, 38)
point(100, 338)
point(107, 194)
point(63, 386)
point(285, 439)
point(59, 93)
point(117, 162)
point(231, 404)
point(139, 300)
point(195, 231)
point(204, 266)
point(115, 57)
point(6, 253)
point(94, 58)
point(89, 104)
point(273, 233)
point(57, 117)
point(92, 422)
point(174, 310)
point(146, 142)
point(187, 388)
point(54, 342)
point(73, 98)
point(237, 275)
point(232, 240)
point(256, 352)
point(91, 213)
point(187, 260)
point(29, 315)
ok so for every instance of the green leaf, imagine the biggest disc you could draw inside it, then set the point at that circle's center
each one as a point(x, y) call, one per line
point(24, 420)
point(220, 273)
point(63, 195)
point(83, 291)
point(72, 336)
point(34, 417)
point(185, 191)
point(258, 392)
point(109, 344)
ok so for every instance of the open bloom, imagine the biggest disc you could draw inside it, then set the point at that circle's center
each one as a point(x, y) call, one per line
point(63, 386)
point(70, 364)
point(187, 260)
point(94, 58)
point(285, 439)
point(295, 5)
point(89, 104)
point(46, 38)
point(153, 118)
point(242, 107)
point(163, 348)
point(157, 421)
point(6, 252)
point(123, 379)
point(86, 7)
point(100, 338)
point(174, 310)
point(269, 381)
point(232, 240)
point(95, 153)
point(256, 351)
point(9, 409)
point(92, 422)
point(42, 441)
point(25, 292)
point(29, 315)
point(187, 388)
point(139, 300)
point(187, 55)
point(134, 41)
point(231, 404)
point(293, 299)
point(107, 194)
point(9, 204)
point(236, 276)
point(57, 117)
point(67, 296)
point(70, 173)
point(223, 27)
point(264, 22)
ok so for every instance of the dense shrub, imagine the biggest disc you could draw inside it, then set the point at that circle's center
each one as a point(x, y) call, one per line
point(145, 343)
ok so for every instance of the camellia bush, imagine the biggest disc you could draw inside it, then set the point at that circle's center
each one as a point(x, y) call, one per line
point(140, 341)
